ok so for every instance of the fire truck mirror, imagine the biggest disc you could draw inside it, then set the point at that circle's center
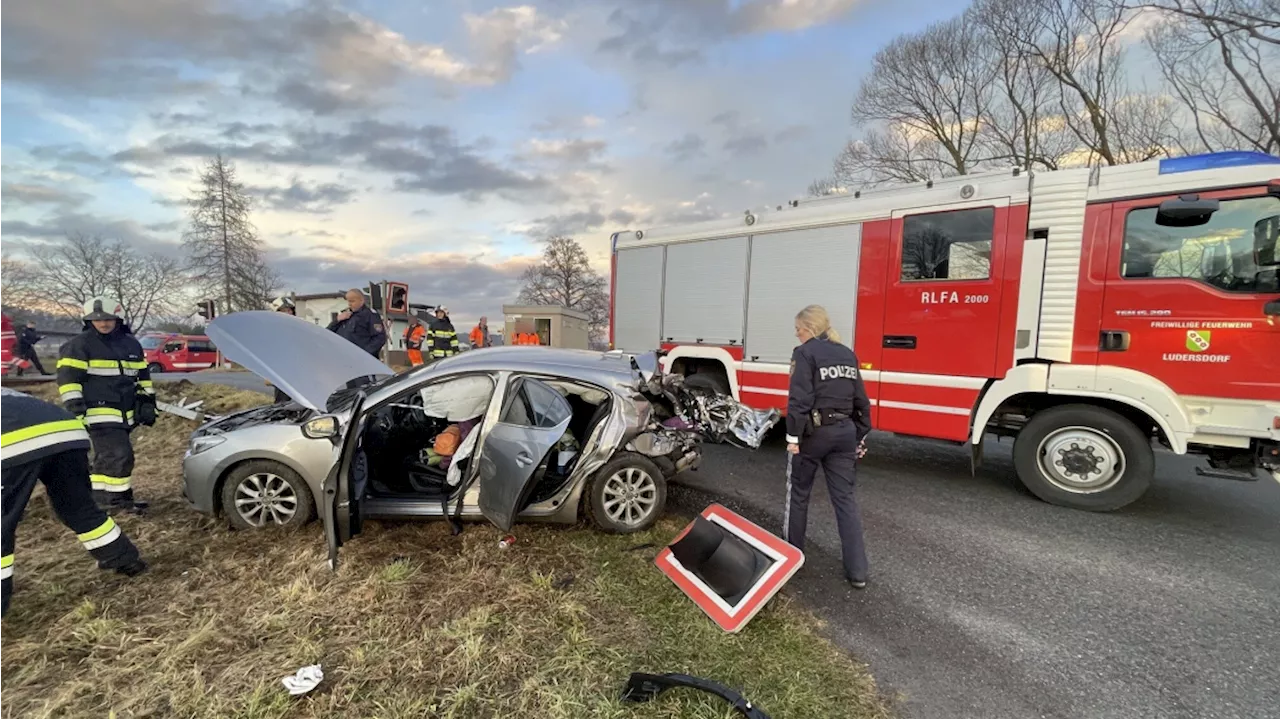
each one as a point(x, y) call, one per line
point(1186, 211)
point(1266, 241)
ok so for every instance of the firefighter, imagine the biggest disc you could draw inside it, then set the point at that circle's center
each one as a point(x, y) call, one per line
point(360, 325)
point(39, 442)
point(413, 339)
point(103, 380)
point(444, 338)
point(27, 340)
point(828, 418)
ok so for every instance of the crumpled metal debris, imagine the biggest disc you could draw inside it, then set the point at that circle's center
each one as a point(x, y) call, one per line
point(304, 680)
point(718, 418)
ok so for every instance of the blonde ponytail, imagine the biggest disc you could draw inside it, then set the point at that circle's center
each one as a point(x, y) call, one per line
point(815, 319)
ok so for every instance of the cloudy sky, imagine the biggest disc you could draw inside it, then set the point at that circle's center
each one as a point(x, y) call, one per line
point(435, 142)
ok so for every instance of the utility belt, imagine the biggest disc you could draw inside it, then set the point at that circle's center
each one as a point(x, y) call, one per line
point(825, 418)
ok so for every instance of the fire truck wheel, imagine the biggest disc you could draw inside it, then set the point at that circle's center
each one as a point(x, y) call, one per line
point(1084, 457)
point(707, 382)
point(627, 495)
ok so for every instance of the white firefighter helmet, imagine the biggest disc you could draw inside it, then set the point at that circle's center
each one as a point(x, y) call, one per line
point(103, 308)
point(281, 303)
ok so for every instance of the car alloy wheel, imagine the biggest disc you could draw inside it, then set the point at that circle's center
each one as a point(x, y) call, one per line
point(630, 496)
point(265, 498)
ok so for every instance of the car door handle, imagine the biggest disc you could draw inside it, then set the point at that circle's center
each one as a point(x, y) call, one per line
point(900, 342)
point(1113, 341)
point(524, 459)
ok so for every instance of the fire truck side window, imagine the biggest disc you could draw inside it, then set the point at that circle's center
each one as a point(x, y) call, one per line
point(953, 245)
point(1219, 253)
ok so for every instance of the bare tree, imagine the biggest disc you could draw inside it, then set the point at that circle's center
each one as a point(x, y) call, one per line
point(1214, 55)
point(564, 278)
point(1079, 42)
point(68, 273)
point(17, 282)
point(222, 245)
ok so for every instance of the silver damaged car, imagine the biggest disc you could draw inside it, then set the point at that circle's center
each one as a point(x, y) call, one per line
point(539, 434)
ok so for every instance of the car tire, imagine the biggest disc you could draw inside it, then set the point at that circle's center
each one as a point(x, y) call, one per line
point(266, 475)
point(631, 479)
point(710, 382)
point(155, 368)
point(1101, 461)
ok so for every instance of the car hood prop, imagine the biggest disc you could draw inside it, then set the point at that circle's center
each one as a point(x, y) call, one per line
point(643, 687)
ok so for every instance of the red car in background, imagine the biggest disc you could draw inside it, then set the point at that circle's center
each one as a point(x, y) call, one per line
point(178, 353)
point(10, 363)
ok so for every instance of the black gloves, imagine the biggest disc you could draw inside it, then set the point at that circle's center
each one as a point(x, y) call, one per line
point(76, 407)
point(145, 409)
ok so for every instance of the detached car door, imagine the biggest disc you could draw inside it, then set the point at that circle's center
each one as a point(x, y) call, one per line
point(344, 486)
point(534, 417)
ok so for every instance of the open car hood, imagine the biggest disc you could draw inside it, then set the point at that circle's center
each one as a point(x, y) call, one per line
point(307, 362)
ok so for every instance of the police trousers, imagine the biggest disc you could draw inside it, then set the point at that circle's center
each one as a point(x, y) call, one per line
point(66, 480)
point(112, 462)
point(834, 448)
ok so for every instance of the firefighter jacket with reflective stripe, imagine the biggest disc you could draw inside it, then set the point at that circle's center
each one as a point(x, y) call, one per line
point(444, 338)
point(105, 373)
point(32, 429)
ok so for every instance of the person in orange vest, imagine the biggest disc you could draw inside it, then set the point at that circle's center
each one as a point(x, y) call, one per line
point(413, 338)
point(480, 335)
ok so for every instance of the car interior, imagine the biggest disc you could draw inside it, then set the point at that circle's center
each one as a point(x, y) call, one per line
point(407, 456)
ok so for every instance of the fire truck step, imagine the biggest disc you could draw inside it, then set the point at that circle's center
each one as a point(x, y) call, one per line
point(1232, 474)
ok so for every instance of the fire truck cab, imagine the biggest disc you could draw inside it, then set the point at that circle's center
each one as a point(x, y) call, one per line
point(1084, 312)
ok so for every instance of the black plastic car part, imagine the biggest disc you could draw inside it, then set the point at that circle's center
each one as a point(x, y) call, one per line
point(643, 687)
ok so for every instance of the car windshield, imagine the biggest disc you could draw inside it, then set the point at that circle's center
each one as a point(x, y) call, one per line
point(151, 342)
point(343, 398)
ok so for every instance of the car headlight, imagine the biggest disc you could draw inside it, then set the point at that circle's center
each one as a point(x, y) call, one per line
point(200, 444)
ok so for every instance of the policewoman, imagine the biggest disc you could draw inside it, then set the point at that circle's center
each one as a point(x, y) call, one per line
point(41, 443)
point(828, 418)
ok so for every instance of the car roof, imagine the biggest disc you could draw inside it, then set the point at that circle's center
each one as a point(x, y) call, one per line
point(602, 367)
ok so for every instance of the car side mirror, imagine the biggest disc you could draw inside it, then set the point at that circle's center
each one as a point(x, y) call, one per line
point(325, 427)
point(1266, 241)
point(1186, 211)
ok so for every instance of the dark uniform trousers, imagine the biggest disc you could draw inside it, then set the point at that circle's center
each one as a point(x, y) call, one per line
point(834, 449)
point(65, 476)
point(112, 462)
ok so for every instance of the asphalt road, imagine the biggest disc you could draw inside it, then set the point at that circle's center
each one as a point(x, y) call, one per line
point(985, 602)
point(239, 380)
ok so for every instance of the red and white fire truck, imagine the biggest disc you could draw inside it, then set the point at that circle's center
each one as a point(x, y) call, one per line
point(1085, 312)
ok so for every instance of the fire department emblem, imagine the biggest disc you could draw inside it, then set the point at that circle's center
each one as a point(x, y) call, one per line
point(1197, 340)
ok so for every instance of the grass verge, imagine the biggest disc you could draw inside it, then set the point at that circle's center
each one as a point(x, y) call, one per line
point(415, 622)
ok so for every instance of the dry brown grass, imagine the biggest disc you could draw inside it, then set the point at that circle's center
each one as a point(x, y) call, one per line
point(414, 623)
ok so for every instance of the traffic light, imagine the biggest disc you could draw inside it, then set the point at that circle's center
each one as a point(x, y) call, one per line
point(206, 309)
point(398, 300)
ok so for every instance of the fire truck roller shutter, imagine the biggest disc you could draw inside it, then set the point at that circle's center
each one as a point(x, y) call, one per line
point(794, 269)
point(638, 299)
point(705, 294)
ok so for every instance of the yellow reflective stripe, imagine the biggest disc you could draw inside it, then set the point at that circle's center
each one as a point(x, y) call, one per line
point(104, 479)
point(101, 531)
point(104, 363)
point(39, 430)
point(134, 365)
point(69, 362)
point(73, 387)
point(6, 560)
point(109, 411)
point(141, 383)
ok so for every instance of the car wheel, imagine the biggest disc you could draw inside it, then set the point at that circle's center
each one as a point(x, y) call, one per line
point(155, 368)
point(627, 495)
point(1084, 457)
point(710, 382)
point(266, 495)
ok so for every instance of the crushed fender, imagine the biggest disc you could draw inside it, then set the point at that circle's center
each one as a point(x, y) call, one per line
point(643, 687)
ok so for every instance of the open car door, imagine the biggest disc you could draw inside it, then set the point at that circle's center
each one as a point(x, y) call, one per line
point(534, 417)
point(344, 486)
